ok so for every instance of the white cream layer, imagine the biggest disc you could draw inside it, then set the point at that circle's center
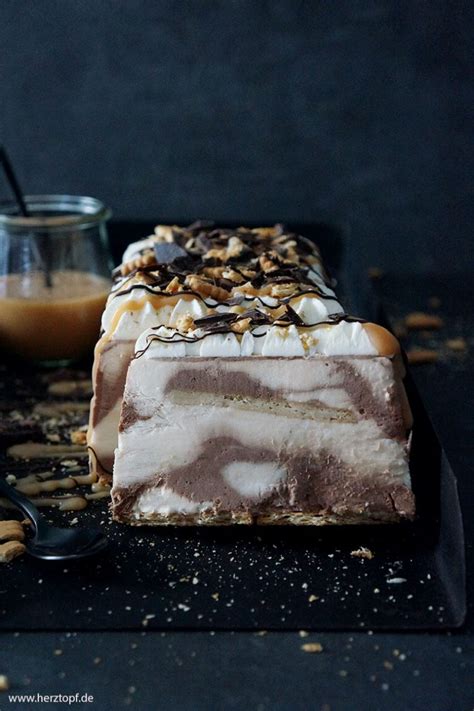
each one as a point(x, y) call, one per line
point(311, 309)
point(344, 338)
point(173, 434)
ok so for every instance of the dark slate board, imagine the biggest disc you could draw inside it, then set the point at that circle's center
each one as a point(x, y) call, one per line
point(263, 578)
point(259, 578)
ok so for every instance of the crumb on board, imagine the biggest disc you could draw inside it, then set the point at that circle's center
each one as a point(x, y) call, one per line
point(69, 388)
point(312, 647)
point(422, 356)
point(456, 344)
point(375, 273)
point(420, 321)
point(362, 552)
point(4, 682)
point(78, 437)
point(313, 598)
point(303, 633)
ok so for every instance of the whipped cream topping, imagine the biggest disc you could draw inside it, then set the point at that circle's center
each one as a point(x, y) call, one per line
point(122, 320)
point(343, 338)
point(232, 293)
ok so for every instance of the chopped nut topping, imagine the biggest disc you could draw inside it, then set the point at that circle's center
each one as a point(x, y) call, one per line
point(232, 275)
point(214, 272)
point(241, 325)
point(235, 247)
point(185, 323)
point(266, 262)
point(144, 260)
point(266, 231)
point(174, 286)
point(206, 289)
point(282, 290)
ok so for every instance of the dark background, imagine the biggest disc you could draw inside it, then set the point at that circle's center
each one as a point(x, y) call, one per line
point(252, 110)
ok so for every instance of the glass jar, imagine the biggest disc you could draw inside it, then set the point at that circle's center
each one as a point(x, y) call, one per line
point(54, 277)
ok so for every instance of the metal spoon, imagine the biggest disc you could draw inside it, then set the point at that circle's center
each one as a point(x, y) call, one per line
point(49, 542)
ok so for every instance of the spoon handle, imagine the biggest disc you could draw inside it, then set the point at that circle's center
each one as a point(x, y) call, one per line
point(20, 500)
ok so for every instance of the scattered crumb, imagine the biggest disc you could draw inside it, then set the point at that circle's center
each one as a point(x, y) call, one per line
point(53, 437)
point(215, 596)
point(362, 553)
point(375, 273)
point(97, 660)
point(58, 652)
point(78, 437)
point(312, 647)
point(68, 388)
point(313, 598)
point(4, 682)
point(420, 321)
point(343, 673)
point(261, 633)
point(421, 356)
point(303, 633)
point(456, 344)
point(388, 665)
point(434, 302)
point(396, 581)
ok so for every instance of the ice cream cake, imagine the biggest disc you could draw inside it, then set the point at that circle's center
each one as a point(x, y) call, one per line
point(235, 389)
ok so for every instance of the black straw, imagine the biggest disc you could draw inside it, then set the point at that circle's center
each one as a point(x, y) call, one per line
point(22, 209)
point(13, 182)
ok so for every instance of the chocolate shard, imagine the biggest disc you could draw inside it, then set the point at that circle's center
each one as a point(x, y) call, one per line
point(206, 321)
point(168, 252)
point(257, 316)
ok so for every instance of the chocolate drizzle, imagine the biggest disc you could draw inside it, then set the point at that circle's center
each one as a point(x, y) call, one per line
point(230, 267)
point(215, 324)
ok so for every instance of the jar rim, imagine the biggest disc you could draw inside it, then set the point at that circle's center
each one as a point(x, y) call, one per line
point(80, 211)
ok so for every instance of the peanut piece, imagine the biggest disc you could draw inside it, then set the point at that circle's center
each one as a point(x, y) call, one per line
point(173, 286)
point(241, 326)
point(204, 288)
point(11, 550)
point(11, 530)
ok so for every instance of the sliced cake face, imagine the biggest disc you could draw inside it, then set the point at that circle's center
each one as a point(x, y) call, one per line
point(250, 395)
point(180, 275)
point(272, 440)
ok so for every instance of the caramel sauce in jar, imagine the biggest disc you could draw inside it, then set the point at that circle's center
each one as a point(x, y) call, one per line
point(51, 323)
